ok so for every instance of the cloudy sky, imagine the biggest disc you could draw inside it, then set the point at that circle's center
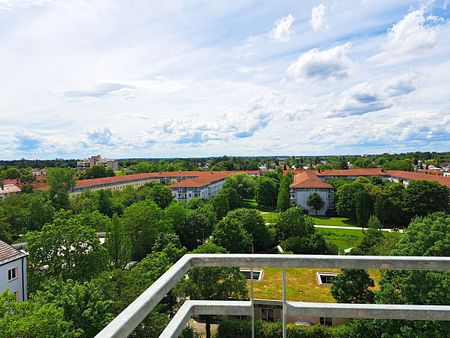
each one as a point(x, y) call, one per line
point(207, 78)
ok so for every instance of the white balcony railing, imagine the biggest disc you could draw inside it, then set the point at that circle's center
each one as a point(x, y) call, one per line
point(130, 318)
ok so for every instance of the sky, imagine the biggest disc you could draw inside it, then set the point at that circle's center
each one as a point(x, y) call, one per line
point(132, 78)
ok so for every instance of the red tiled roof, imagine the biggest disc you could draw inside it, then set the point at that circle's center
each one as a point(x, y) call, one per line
point(352, 172)
point(408, 175)
point(308, 180)
point(9, 189)
point(7, 252)
point(208, 177)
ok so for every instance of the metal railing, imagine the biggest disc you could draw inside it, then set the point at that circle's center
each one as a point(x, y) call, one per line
point(129, 319)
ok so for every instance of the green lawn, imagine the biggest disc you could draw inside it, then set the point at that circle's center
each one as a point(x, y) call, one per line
point(301, 285)
point(269, 217)
point(249, 203)
point(342, 238)
point(334, 221)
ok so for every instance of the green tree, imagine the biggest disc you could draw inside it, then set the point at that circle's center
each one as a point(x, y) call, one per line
point(244, 184)
point(266, 192)
point(61, 180)
point(353, 286)
point(425, 197)
point(197, 228)
point(98, 171)
point(84, 304)
point(363, 207)
point(40, 211)
point(233, 197)
point(293, 223)
point(230, 234)
point(220, 205)
point(143, 222)
point(64, 249)
point(118, 244)
point(32, 319)
point(213, 283)
point(105, 202)
point(253, 223)
point(315, 201)
point(309, 244)
point(162, 195)
point(346, 199)
point(284, 197)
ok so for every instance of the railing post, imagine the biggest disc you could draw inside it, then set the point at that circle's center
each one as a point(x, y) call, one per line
point(252, 302)
point(284, 301)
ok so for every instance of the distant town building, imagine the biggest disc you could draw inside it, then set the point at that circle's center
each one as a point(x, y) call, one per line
point(98, 160)
point(13, 271)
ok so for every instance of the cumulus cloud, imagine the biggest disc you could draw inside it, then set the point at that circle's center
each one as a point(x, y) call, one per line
point(328, 64)
point(281, 31)
point(318, 17)
point(411, 33)
point(103, 137)
point(365, 97)
point(11, 4)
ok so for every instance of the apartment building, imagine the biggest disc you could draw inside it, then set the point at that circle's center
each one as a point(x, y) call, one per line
point(13, 271)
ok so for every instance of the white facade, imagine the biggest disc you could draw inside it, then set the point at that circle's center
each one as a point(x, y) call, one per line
point(207, 191)
point(8, 189)
point(300, 197)
point(13, 276)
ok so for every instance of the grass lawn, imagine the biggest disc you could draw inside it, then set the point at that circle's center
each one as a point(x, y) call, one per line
point(301, 285)
point(334, 221)
point(249, 203)
point(269, 217)
point(342, 238)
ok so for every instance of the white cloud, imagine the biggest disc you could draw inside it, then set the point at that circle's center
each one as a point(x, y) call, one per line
point(366, 98)
point(318, 21)
point(411, 33)
point(11, 4)
point(328, 64)
point(281, 31)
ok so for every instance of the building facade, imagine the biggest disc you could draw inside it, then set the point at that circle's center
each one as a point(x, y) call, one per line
point(13, 271)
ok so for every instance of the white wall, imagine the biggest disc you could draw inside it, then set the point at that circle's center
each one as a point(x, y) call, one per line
point(300, 197)
point(15, 284)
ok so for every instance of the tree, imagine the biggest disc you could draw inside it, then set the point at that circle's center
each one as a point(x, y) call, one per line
point(213, 283)
point(32, 319)
point(284, 196)
point(425, 197)
point(98, 171)
point(253, 223)
point(84, 304)
point(162, 195)
point(346, 199)
point(244, 184)
point(266, 192)
point(143, 222)
point(233, 197)
point(40, 211)
point(118, 244)
point(315, 201)
point(105, 203)
point(220, 205)
point(197, 228)
point(292, 223)
point(353, 286)
point(363, 207)
point(230, 234)
point(426, 236)
point(309, 244)
point(61, 180)
point(64, 249)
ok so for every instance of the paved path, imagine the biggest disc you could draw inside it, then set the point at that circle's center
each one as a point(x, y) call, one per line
point(347, 228)
point(350, 228)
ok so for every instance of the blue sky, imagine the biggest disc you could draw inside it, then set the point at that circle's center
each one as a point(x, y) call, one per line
point(208, 78)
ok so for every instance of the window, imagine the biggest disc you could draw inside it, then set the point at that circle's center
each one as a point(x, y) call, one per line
point(268, 314)
point(325, 277)
point(328, 321)
point(13, 274)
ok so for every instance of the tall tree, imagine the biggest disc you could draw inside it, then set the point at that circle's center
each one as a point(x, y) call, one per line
point(61, 180)
point(67, 249)
point(230, 234)
point(346, 199)
point(244, 184)
point(262, 236)
point(118, 244)
point(363, 207)
point(266, 192)
point(284, 197)
point(425, 197)
point(315, 201)
point(105, 202)
point(197, 228)
point(162, 195)
point(293, 222)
